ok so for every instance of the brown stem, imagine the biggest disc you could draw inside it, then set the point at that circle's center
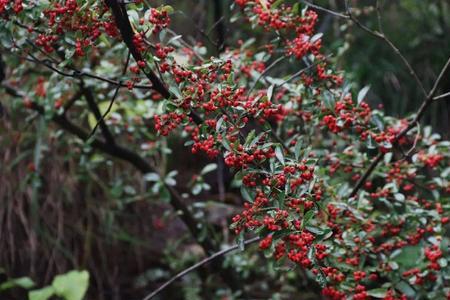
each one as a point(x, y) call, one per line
point(126, 31)
point(89, 96)
point(196, 266)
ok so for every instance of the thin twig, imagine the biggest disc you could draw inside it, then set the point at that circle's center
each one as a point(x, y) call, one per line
point(196, 266)
point(383, 37)
point(442, 96)
point(71, 101)
point(416, 139)
point(116, 92)
point(102, 118)
point(77, 74)
point(329, 11)
point(273, 64)
point(302, 71)
point(89, 96)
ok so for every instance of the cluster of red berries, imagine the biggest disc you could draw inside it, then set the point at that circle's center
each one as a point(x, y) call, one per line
point(159, 18)
point(16, 5)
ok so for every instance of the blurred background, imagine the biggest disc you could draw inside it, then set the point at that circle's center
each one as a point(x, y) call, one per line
point(84, 211)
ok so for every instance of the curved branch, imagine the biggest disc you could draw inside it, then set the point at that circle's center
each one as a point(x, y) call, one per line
point(122, 153)
point(383, 37)
point(119, 12)
point(196, 266)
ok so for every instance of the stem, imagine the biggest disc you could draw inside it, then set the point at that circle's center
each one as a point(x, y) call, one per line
point(196, 266)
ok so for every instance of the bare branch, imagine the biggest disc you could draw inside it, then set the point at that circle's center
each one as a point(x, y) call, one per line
point(273, 64)
point(102, 118)
point(442, 96)
point(77, 73)
point(383, 37)
point(119, 12)
point(116, 92)
point(89, 96)
point(196, 266)
point(329, 11)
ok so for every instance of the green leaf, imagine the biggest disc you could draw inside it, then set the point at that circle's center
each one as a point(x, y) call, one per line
point(408, 256)
point(329, 100)
point(298, 148)
point(226, 143)
point(279, 154)
point(370, 143)
point(327, 233)
point(316, 37)
point(196, 189)
point(256, 140)
point(170, 181)
point(248, 43)
point(399, 197)
point(219, 124)
point(23, 282)
point(270, 92)
point(321, 279)
point(152, 177)
point(241, 241)
point(72, 285)
point(362, 93)
point(406, 289)
point(174, 39)
point(378, 293)
point(378, 121)
point(164, 194)
point(246, 194)
point(208, 168)
point(167, 8)
point(307, 217)
point(296, 8)
point(249, 138)
point(276, 4)
point(41, 294)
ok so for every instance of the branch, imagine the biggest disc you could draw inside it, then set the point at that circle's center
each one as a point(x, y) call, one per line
point(88, 95)
point(329, 11)
point(77, 74)
point(267, 69)
point(119, 12)
point(383, 37)
point(101, 120)
point(196, 266)
point(219, 25)
point(426, 103)
point(72, 101)
point(116, 92)
point(117, 151)
point(442, 96)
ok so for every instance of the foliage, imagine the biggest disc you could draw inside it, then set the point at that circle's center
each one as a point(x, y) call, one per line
point(70, 286)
